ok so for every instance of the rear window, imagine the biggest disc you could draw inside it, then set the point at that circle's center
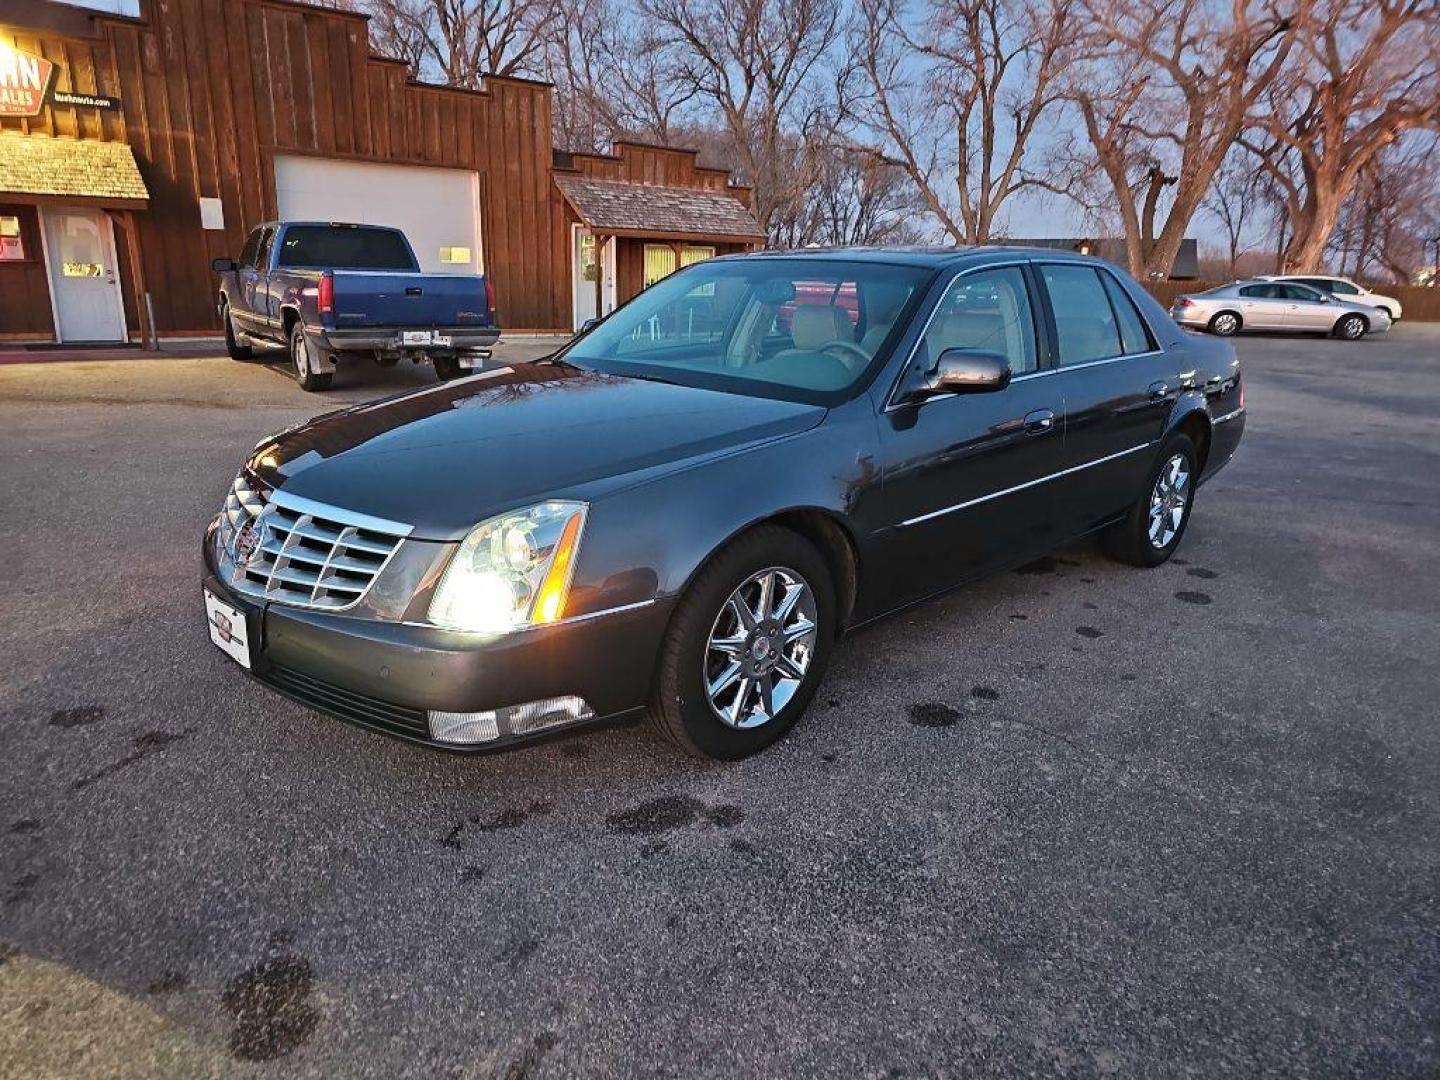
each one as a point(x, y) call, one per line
point(345, 248)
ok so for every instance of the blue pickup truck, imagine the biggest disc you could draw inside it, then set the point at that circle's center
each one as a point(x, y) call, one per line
point(329, 291)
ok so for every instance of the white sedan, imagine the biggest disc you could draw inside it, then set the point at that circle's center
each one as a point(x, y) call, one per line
point(1343, 289)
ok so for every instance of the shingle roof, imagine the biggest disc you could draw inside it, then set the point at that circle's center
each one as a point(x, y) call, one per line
point(610, 205)
point(83, 168)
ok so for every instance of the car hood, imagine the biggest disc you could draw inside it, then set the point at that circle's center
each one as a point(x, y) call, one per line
point(445, 458)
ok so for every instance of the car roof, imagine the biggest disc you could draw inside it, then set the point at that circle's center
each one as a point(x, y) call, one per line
point(935, 255)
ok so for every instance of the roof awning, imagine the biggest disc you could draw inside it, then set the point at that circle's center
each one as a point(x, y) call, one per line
point(615, 208)
point(39, 168)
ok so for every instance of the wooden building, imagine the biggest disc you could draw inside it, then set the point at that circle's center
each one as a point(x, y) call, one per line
point(134, 150)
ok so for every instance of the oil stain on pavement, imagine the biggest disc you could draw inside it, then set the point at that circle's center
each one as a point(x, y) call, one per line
point(270, 1004)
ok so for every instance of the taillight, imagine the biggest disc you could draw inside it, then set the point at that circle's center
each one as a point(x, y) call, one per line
point(1184, 302)
point(326, 299)
point(489, 295)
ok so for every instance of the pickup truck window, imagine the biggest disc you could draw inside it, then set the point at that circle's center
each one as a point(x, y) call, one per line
point(262, 258)
point(345, 248)
point(250, 250)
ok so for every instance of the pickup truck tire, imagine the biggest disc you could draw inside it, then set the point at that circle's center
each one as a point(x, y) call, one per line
point(232, 343)
point(447, 368)
point(309, 379)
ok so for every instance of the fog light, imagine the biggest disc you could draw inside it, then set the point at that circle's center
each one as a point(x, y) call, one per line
point(513, 720)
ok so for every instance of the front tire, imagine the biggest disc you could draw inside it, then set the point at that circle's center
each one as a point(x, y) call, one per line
point(236, 351)
point(1225, 324)
point(746, 648)
point(1352, 327)
point(1154, 526)
point(305, 374)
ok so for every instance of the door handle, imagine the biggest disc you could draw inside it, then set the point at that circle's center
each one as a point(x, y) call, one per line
point(1039, 422)
point(1158, 390)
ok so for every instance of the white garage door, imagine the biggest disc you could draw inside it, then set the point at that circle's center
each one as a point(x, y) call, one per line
point(438, 209)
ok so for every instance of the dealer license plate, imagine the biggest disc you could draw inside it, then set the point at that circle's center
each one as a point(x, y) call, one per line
point(416, 337)
point(227, 629)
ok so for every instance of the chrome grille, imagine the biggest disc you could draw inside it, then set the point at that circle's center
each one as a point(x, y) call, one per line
point(274, 546)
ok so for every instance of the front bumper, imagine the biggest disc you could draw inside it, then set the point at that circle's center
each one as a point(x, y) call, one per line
point(388, 676)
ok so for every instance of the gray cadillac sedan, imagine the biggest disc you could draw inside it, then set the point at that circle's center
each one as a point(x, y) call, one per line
point(682, 510)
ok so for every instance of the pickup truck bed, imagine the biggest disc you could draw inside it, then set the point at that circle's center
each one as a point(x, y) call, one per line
point(331, 292)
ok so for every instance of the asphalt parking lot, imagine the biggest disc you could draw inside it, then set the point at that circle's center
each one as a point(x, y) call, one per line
point(1080, 820)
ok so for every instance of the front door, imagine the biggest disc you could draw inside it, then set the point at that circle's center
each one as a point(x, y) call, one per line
point(965, 475)
point(586, 274)
point(84, 279)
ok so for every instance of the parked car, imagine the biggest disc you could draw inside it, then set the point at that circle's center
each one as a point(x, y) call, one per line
point(1344, 289)
point(1276, 305)
point(681, 516)
point(327, 291)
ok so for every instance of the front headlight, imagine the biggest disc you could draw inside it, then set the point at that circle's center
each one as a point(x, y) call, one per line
point(512, 571)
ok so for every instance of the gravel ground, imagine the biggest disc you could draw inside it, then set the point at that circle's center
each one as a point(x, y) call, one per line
point(1079, 820)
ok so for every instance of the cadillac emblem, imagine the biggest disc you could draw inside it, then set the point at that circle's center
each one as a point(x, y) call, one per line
point(247, 543)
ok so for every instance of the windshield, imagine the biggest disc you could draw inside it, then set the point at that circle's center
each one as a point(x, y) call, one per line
point(801, 329)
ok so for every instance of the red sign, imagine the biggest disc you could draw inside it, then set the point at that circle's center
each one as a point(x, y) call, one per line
point(23, 81)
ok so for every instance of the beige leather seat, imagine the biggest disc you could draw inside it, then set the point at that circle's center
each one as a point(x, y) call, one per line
point(967, 330)
point(817, 325)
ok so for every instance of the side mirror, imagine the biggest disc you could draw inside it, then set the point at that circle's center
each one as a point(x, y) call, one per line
point(967, 371)
point(224, 266)
point(588, 325)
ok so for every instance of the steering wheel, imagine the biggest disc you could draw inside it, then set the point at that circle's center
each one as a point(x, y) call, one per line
point(847, 346)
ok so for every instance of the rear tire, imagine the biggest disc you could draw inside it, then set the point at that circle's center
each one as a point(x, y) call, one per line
point(708, 646)
point(308, 378)
point(236, 351)
point(1151, 532)
point(1225, 323)
point(1352, 327)
point(447, 368)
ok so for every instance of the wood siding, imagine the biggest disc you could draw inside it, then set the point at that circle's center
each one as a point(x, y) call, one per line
point(24, 287)
point(635, 163)
point(212, 90)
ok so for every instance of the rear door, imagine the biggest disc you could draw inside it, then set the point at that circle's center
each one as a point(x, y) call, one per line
point(1263, 307)
point(964, 474)
point(1117, 387)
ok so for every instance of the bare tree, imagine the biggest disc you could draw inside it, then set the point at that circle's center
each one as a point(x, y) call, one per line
point(759, 68)
point(1165, 90)
point(856, 196)
point(1392, 211)
point(614, 78)
point(1366, 72)
point(1234, 198)
point(957, 97)
point(458, 42)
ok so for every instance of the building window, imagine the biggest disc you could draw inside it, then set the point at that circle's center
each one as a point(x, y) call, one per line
point(689, 256)
point(12, 244)
point(659, 262)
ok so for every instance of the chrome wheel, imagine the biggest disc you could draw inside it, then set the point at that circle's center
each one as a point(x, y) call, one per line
point(1225, 324)
point(300, 354)
point(760, 647)
point(1353, 328)
point(1169, 500)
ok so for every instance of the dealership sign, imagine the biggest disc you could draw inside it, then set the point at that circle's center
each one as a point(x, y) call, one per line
point(24, 79)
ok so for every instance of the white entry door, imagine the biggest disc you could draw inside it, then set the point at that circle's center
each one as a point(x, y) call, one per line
point(585, 272)
point(84, 279)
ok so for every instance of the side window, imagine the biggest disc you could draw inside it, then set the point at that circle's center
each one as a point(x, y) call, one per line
point(1342, 288)
point(1133, 335)
point(1084, 321)
point(988, 310)
point(262, 257)
point(252, 245)
point(1300, 292)
point(1262, 292)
